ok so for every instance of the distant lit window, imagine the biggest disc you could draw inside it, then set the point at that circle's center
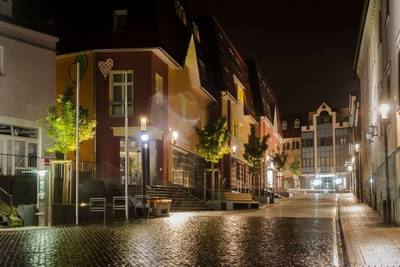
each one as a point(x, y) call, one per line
point(2, 55)
point(180, 12)
point(196, 32)
point(117, 93)
point(120, 20)
point(184, 103)
point(296, 123)
point(284, 125)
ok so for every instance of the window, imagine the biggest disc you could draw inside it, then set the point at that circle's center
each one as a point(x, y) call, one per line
point(240, 93)
point(117, 93)
point(297, 145)
point(180, 12)
point(120, 20)
point(196, 32)
point(284, 125)
point(158, 98)
point(296, 123)
point(6, 7)
point(184, 107)
point(2, 55)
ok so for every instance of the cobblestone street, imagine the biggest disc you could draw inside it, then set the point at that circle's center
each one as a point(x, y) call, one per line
point(187, 239)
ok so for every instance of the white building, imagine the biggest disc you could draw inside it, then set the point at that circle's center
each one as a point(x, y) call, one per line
point(377, 67)
point(27, 84)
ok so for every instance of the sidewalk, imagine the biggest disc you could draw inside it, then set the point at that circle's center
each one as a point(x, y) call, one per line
point(368, 242)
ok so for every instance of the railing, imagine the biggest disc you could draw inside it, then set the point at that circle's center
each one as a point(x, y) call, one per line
point(10, 198)
point(14, 164)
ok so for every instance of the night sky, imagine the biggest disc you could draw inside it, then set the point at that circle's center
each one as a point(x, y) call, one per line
point(305, 47)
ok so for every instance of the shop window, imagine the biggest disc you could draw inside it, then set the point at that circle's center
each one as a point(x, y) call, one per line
point(180, 12)
point(120, 20)
point(117, 93)
point(196, 32)
point(284, 125)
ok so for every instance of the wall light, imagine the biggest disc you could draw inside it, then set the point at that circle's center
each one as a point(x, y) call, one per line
point(384, 110)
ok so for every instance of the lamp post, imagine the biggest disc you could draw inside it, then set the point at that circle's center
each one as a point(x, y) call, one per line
point(77, 144)
point(145, 165)
point(384, 110)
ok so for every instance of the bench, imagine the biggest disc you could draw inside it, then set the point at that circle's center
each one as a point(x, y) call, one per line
point(240, 200)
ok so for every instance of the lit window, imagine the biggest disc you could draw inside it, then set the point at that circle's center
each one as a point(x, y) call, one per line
point(2, 55)
point(196, 32)
point(159, 98)
point(120, 20)
point(240, 93)
point(180, 12)
point(117, 93)
point(284, 125)
point(296, 123)
point(184, 103)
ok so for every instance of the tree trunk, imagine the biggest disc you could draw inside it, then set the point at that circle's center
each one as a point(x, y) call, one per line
point(212, 181)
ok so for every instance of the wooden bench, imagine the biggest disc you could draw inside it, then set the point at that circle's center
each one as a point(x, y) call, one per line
point(240, 200)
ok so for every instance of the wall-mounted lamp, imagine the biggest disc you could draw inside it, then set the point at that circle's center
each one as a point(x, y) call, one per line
point(384, 110)
point(234, 148)
point(357, 147)
point(174, 137)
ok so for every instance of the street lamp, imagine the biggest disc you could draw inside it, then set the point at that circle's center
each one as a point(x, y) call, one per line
point(144, 137)
point(384, 110)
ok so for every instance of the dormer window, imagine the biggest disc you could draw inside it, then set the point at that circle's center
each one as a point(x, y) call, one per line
point(180, 12)
point(196, 32)
point(284, 125)
point(120, 20)
point(296, 123)
point(6, 7)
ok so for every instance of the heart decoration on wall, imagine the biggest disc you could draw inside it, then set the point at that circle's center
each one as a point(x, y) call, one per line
point(105, 67)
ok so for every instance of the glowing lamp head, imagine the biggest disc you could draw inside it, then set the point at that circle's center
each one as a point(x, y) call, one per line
point(350, 168)
point(234, 149)
point(384, 110)
point(357, 147)
point(144, 137)
point(175, 136)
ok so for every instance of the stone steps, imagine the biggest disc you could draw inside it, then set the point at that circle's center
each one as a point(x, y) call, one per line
point(181, 201)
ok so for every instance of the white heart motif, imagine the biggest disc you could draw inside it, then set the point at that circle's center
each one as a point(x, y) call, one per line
point(105, 67)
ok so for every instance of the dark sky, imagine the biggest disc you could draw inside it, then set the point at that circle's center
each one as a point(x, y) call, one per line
point(305, 47)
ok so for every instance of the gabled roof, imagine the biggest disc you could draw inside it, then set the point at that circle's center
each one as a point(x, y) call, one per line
point(150, 24)
point(292, 132)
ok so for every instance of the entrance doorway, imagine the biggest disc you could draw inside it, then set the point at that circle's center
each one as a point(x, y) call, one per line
point(135, 174)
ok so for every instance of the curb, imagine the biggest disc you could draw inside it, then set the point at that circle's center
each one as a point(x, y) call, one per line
point(341, 243)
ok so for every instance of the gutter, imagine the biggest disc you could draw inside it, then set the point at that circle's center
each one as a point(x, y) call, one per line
point(360, 35)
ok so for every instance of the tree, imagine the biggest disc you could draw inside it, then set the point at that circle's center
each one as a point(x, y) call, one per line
point(279, 159)
point(295, 169)
point(254, 150)
point(213, 142)
point(60, 123)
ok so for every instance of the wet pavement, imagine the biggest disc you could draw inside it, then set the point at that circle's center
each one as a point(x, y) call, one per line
point(274, 236)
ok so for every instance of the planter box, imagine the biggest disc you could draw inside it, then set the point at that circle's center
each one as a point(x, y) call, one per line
point(160, 206)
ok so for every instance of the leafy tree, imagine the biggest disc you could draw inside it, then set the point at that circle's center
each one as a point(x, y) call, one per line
point(280, 159)
point(295, 167)
point(213, 142)
point(61, 120)
point(255, 149)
